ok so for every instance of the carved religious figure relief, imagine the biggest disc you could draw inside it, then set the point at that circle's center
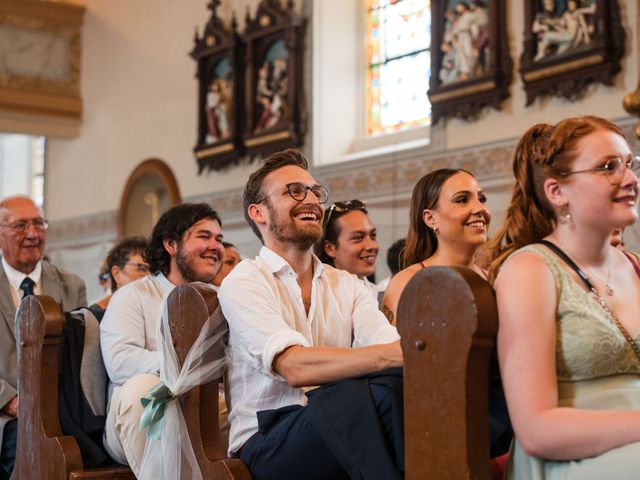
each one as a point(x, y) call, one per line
point(569, 44)
point(465, 43)
point(218, 107)
point(271, 88)
point(562, 25)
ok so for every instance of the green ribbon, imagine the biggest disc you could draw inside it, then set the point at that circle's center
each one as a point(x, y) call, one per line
point(154, 403)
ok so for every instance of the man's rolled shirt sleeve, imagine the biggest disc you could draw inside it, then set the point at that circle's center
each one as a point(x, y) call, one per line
point(122, 339)
point(261, 331)
point(370, 326)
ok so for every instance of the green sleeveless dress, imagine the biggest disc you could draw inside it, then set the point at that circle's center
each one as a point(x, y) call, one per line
point(596, 369)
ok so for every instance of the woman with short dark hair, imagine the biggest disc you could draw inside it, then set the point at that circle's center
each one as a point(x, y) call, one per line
point(124, 264)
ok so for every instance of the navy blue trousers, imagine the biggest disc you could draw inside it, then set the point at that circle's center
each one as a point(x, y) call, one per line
point(287, 444)
point(8, 452)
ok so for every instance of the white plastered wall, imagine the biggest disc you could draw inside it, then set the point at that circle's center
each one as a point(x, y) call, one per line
point(140, 100)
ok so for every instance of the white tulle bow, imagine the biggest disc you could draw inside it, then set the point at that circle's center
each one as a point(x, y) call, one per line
point(171, 457)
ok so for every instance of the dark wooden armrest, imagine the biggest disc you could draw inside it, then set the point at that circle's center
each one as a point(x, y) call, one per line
point(447, 319)
point(189, 307)
point(115, 472)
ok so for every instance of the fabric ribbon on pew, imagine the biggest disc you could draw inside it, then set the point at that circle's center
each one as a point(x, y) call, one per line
point(168, 454)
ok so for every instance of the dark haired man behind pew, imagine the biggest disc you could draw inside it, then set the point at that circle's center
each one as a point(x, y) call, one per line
point(295, 323)
point(185, 246)
point(22, 239)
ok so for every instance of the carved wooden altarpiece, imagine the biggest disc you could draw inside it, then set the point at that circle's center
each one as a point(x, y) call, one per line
point(274, 107)
point(219, 55)
point(569, 45)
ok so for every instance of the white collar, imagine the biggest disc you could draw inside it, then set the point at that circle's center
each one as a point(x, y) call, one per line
point(16, 277)
point(276, 263)
point(168, 285)
point(164, 281)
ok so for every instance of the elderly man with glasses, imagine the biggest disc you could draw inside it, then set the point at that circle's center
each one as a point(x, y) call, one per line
point(296, 324)
point(23, 273)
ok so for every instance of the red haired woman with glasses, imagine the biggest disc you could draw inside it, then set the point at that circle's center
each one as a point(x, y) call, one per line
point(568, 304)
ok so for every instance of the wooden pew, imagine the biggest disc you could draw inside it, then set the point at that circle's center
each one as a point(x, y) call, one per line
point(193, 304)
point(448, 321)
point(45, 453)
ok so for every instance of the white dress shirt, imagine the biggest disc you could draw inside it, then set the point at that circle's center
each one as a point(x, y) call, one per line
point(128, 331)
point(373, 288)
point(263, 305)
point(16, 277)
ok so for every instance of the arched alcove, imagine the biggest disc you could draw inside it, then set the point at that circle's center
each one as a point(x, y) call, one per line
point(150, 191)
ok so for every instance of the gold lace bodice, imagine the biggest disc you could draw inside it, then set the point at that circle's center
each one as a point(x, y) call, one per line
point(588, 342)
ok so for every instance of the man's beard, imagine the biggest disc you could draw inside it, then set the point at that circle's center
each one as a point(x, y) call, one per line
point(287, 232)
point(187, 272)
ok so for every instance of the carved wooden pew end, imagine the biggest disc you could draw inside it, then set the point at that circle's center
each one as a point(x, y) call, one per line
point(447, 319)
point(45, 453)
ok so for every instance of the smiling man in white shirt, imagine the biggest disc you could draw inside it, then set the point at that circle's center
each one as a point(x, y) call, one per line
point(185, 246)
point(294, 323)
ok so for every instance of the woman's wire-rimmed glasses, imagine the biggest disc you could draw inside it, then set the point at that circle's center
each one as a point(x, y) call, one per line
point(140, 267)
point(298, 191)
point(613, 170)
point(343, 207)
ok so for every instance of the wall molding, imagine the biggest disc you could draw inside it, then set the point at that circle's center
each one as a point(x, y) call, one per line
point(385, 181)
point(40, 65)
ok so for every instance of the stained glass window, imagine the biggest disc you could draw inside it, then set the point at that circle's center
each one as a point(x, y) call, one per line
point(399, 65)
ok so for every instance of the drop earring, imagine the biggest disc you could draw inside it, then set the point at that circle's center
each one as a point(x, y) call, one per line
point(564, 217)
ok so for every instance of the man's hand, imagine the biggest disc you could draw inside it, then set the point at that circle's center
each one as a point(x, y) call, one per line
point(11, 408)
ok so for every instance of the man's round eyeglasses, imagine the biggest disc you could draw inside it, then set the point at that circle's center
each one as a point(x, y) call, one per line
point(613, 170)
point(298, 191)
point(343, 207)
point(21, 226)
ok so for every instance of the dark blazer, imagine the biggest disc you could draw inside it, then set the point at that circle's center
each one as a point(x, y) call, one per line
point(65, 288)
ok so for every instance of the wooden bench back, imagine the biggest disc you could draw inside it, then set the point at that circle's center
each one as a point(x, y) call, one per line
point(448, 321)
point(43, 451)
point(189, 307)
